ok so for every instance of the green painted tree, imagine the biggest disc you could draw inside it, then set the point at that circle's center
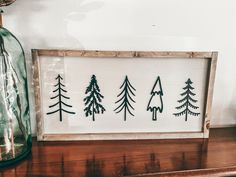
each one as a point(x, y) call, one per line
point(60, 97)
point(93, 99)
point(155, 103)
point(126, 98)
point(187, 101)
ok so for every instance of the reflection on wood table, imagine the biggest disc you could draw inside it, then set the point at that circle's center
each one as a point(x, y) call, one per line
point(131, 158)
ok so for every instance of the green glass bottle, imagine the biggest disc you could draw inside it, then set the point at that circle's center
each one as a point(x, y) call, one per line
point(15, 129)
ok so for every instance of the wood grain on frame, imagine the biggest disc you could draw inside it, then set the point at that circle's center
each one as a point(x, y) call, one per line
point(209, 96)
point(120, 136)
point(211, 56)
point(37, 92)
point(123, 54)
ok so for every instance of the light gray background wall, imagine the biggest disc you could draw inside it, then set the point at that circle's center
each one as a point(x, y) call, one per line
point(199, 25)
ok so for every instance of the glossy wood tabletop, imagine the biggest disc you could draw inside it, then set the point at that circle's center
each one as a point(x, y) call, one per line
point(131, 158)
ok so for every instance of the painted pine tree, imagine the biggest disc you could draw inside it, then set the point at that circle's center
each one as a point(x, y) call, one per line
point(155, 103)
point(187, 101)
point(125, 98)
point(93, 99)
point(60, 95)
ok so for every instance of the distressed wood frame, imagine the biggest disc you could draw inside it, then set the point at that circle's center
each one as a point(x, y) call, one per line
point(41, 136)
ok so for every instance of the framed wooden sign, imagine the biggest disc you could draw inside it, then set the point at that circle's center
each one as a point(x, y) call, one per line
point(111, 95)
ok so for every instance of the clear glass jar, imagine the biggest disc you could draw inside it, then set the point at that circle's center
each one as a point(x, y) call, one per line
point(15, 129)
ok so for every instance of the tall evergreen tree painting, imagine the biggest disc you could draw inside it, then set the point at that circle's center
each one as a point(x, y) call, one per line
point(125, 98)
point(187, 102)
point(155, 103)
point(93, 99)
point(60, 90)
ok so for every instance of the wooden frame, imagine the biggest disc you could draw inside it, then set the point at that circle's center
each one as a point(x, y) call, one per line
point(211, 56)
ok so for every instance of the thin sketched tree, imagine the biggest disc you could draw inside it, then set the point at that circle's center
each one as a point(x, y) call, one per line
point(93, 99)
point(187, 101)
point(125, 98)
point(60, 95)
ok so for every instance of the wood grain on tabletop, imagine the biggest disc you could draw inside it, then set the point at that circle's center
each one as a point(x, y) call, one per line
point(131, 158)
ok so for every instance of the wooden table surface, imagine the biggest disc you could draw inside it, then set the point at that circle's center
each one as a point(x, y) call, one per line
point(131, 158)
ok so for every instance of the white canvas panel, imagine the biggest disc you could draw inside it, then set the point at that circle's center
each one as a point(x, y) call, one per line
point(110, 74)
